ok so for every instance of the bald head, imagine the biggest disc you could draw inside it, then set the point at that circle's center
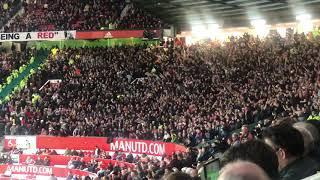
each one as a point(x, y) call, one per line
point(242, 170)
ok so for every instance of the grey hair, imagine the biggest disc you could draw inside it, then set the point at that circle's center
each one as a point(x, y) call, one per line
point(310, 135)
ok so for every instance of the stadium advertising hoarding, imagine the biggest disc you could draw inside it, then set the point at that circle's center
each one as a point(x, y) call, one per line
point(80, 35)
point(114, 34)
point(20, 142)
point(136, 146)
point(63, 160)
point(24, 171)
point(154, 148)
point(37, 36)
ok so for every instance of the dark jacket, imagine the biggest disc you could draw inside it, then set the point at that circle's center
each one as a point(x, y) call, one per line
point(299, 169)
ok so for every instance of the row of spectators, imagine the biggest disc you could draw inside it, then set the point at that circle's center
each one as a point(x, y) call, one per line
point(63, 15)
point(146, 167)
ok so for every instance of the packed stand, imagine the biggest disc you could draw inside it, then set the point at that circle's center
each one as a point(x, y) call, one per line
point(63, 15)
point(8, 8)
point(11, 61)
point(138, 19)
point(183, 95)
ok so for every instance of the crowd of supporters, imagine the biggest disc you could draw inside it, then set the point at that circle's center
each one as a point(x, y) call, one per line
point(286, 150)
point(10, 62)
point(142, 166)
point(8, 8)
point(182, 95)
point(63, 15)
point(138, 19)
point(186, 95)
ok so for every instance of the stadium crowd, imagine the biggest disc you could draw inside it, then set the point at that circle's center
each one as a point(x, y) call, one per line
point(8, 8)
point(63, 15)
point(10, 62)
point(138, 19)
point(183, 95)
point(142, 166)
point(186, 95)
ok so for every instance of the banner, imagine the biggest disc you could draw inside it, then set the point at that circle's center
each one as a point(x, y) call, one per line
point(135, 146)
point(63, 160)
point(20, 142)
point(46, 171)
point(37, 36)
point(114, 34)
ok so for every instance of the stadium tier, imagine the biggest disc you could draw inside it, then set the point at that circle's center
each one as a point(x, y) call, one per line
point(8, 8)
point(80, 15)
point(148, 90)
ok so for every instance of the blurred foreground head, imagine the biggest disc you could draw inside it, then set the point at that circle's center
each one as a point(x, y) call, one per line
point(310, 135)
point(256, 152)
point(242, 170)
point(287, 143)
point(178, 175)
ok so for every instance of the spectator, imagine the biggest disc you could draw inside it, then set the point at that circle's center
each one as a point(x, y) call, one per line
point(129, 157)
point(242, 170)
point(30, 161)
point(67, 152)
point(178, 175)
point(256, 152)
point(53, 177)
point(97, 152)
point(46, 161)
point(289, 147)
point(39, 161)
point(235, 140)
point(245, 134)
point(310, 136)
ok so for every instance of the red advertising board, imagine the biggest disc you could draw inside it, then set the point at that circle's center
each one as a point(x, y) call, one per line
point(20, 142)
point(113, 34)
point(63, 160)
point(10, 143)
point(136, 146)
point(41, 170)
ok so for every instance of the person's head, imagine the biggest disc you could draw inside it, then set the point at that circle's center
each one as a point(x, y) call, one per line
point(310, 135)
point(244, 129)
point(178, 175)
point(253, 151)
point(235, 136)
point(242, 170)
point(286, 141)
point(283, 122)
